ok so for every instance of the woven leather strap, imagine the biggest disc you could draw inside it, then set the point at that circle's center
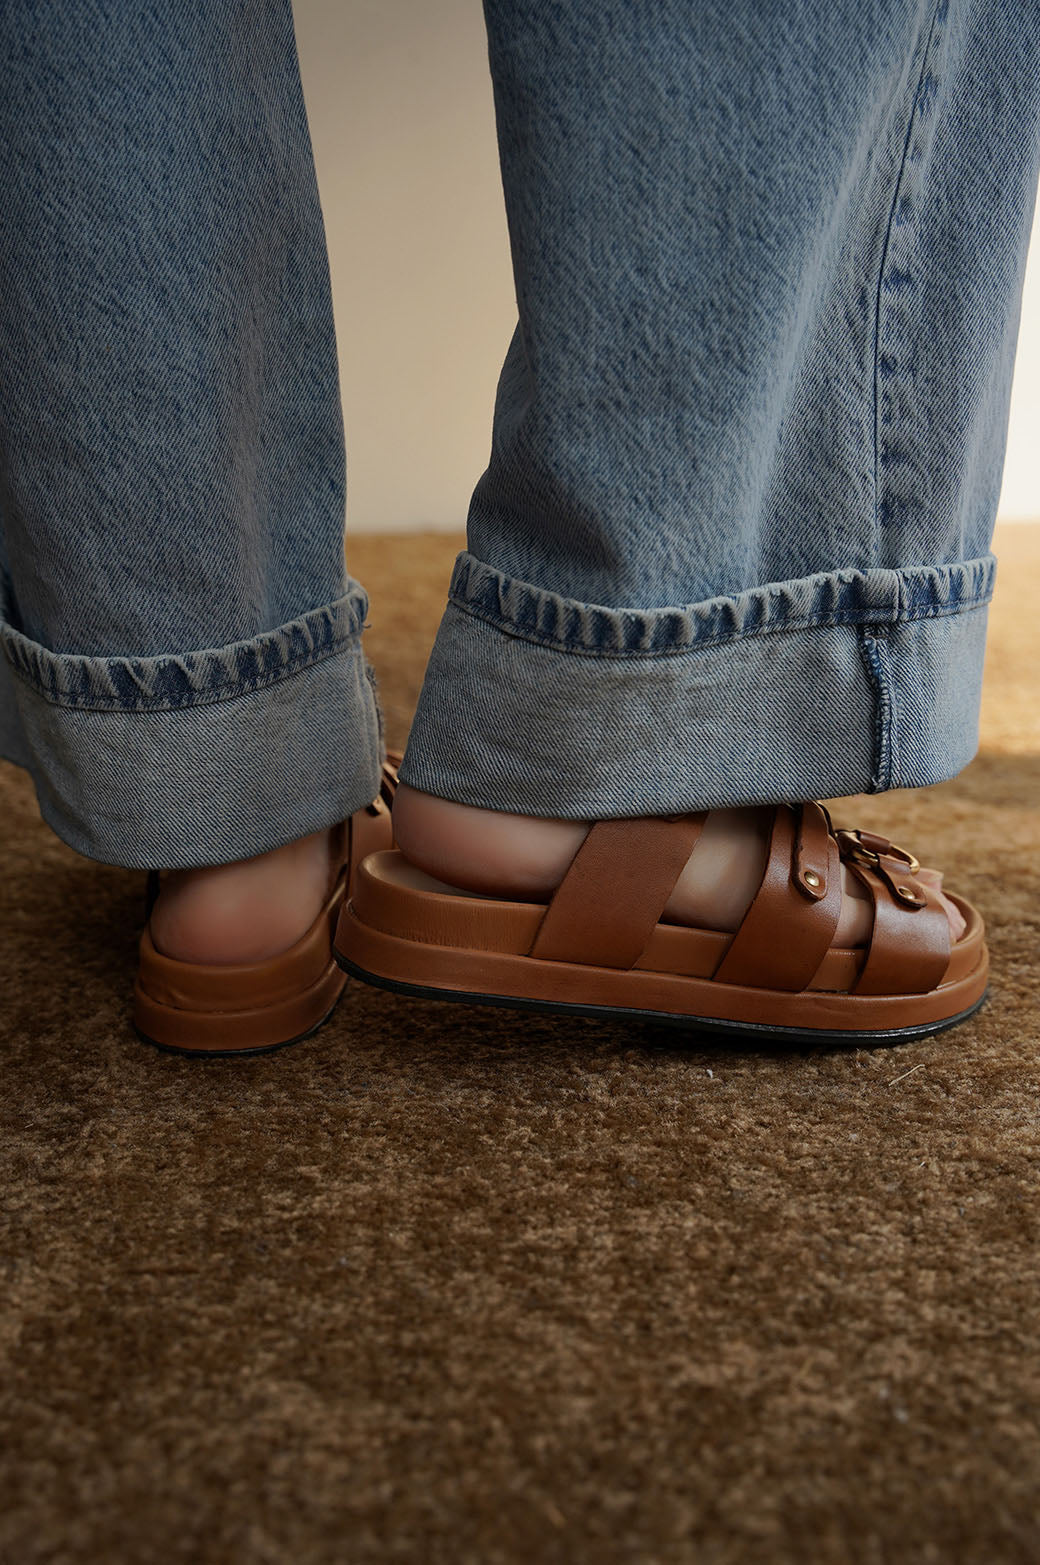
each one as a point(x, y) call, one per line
point(611, 899)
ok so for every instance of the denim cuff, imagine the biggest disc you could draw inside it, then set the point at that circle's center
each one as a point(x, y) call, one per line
point(842, 682)
point(199, 757)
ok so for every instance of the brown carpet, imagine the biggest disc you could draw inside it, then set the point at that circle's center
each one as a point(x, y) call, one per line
point(469, 1286)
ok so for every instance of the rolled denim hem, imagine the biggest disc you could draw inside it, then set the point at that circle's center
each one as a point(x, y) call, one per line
point(844, 682)
point(202, 757)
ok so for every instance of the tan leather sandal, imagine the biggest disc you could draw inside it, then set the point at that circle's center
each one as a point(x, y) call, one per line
point(254, 1007)
point(600, 948)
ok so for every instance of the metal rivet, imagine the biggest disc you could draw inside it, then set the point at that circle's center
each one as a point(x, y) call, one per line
point(811, 878)
point(907, 892)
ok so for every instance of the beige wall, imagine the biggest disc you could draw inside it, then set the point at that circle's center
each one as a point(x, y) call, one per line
point(401, 119)
point(1020, 500)
point(399, 101)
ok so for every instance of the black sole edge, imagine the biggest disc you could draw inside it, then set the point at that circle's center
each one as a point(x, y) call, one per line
point(742, 1031)
point(235, 1054)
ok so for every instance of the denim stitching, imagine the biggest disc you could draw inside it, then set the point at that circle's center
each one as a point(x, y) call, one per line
point(373, 685)
point(809, 622)
point(874, 652)
point(21, 664)
point(843, 595)
point(212, 697)
point(900, 214)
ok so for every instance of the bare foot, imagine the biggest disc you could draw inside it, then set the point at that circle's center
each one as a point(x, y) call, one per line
point(526, 857)
point(247, 911)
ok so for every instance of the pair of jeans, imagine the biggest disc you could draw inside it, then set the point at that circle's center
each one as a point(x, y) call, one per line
point(732, 544)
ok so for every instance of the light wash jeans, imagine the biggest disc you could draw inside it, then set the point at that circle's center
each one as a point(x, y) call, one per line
point(732, 544)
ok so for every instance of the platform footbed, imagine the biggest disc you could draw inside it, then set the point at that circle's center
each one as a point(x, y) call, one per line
point(739, 1031)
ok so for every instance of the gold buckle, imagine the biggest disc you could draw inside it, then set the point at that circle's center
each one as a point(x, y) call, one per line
point(859, 850)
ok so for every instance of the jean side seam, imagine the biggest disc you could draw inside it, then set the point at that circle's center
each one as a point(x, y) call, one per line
point(858, 618)
point(373, 686)
point(924, 94)
point(873, 647)
point(213, 696)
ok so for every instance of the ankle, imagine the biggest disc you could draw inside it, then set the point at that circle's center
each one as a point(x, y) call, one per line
point(488, 851)
point(246, 911)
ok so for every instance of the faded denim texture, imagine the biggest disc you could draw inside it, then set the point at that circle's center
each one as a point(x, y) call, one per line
point(183, 672)
point(733, 541)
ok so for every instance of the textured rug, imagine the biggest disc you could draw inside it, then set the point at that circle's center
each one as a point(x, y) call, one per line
point(469, 1286)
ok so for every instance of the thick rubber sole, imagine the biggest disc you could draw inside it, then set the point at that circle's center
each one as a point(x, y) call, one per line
point(737, 1031)
point(227, 1028)
point(402, 931)
point(242, 1010)
point(238, 1054)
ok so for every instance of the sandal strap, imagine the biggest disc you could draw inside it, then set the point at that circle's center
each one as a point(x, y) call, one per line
point(614, 894)
point(909, 949)
point(388, 781)
point(611, 899)
point(790, 924)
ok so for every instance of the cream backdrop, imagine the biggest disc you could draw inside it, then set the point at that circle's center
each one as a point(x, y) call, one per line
point(402, 123)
